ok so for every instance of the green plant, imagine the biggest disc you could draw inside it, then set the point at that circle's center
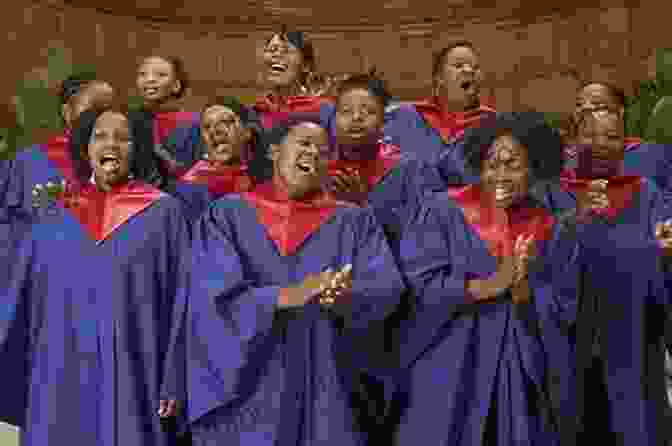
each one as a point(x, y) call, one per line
point(649, 113)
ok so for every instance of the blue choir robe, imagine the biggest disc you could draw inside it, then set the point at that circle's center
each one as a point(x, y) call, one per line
point(653, 161)
point(426, 132)
point(620, 269)
point(476, 373)
point(87, 318)
point(259, 375)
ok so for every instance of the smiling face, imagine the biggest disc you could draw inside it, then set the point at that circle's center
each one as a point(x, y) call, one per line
point(157, 81)
point(300, 160)
point(505, 173)
point(283, 63)
point(459, 80)
point(109, 150)
point(223, 134)
point(359, 117)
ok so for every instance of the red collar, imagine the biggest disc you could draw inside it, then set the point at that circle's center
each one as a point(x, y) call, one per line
point(499, 228)
point(166, 122)
point(276, 108)
point(287, 222)
point(101, 213)
point(373, 170)
point(450, 125)
point(631, 143)
point(58, 152)
point(221, 180)
point(620, 190)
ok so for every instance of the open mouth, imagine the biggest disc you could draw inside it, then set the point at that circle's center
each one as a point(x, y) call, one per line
point(306, 166)
point(109, 162)
point(278, 68)
point(150, 91)
point(467, 85)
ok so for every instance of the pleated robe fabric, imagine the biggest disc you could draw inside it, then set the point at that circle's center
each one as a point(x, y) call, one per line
point(85, 327)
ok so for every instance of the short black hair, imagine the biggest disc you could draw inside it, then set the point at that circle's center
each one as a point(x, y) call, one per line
point(543, 143)
point(439, 57)
point(366, 81)
point(142, 157)
point(616, 92)
point(73, 85)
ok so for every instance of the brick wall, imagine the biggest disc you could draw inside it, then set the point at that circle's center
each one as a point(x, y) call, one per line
point(530, 61)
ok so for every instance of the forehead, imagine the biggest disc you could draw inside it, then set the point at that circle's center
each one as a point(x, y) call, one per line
point(596, 91)
point(157, 63)
point(307, 130)
point(460, 53)
point(357, 94)
point(218, 112)
point(506, 143)
point(279, 40)
point(111, 120)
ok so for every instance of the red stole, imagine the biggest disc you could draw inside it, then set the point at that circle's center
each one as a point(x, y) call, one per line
point(450, 125)
point(373, 170)
point(101, 213)
point(620, 190)
point(57, 151)
point(631, 143)
point(277, 108)
point(289, 223)
point(499, 227)
point(166, 122)
point(219, 179)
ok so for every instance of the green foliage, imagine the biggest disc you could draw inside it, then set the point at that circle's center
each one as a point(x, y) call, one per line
point(648, 114)
point(135, 103)
point(37, 105)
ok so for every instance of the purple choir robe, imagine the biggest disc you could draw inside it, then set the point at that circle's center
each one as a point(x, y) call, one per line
point(465, 364)
point(421, 129)
point(653, 161)
point(87, 318)
point(257, 375)
point(619, 260)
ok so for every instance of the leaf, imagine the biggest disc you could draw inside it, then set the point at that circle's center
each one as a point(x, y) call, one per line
point(664, 71)
point(659, 130)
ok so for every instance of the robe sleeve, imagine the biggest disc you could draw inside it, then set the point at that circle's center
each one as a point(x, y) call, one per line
point(184, 145)
point(228, 317)
point(17, 306)
point(377, 284)
point(176, 283)
point(437, 270)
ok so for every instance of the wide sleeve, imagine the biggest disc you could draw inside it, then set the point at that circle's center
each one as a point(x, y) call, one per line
point(377, 283)
point(437, 256)
point(176, 282)
point(17, 308)
point(229, 317)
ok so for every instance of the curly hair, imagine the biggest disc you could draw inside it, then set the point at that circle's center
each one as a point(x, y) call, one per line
point(143, 163)
point(73, 85)
point(543, 143)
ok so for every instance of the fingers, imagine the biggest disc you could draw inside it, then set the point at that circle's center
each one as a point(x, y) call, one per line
point(167, 408)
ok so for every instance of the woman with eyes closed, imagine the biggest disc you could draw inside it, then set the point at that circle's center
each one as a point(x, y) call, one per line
point(483, 360)
point(91, 296)
point(288, 66)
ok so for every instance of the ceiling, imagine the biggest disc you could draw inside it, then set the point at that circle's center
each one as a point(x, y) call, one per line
point(316, 13)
